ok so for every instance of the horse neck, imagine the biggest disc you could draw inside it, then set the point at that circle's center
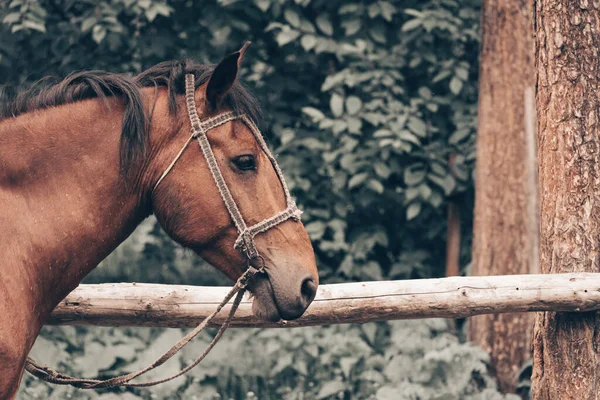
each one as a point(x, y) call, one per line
point(65, 204)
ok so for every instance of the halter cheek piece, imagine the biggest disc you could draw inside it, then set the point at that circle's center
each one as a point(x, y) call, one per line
point(245, 239)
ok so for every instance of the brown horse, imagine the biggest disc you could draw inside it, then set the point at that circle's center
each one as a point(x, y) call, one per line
point(78, 165)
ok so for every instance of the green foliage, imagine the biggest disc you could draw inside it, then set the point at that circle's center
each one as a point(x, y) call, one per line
point(396, 360)
point(394, 106)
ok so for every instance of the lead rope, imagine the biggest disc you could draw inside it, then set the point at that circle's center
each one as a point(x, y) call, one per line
point(50, 375)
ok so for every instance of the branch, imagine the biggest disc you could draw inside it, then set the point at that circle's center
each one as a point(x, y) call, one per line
point(137, 304)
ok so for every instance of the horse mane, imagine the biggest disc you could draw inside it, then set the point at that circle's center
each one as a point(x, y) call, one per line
point(100, 84)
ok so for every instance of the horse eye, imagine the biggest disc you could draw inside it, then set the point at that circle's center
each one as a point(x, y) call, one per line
point(245, 163)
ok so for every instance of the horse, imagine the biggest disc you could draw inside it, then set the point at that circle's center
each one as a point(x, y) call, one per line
point(80, 163)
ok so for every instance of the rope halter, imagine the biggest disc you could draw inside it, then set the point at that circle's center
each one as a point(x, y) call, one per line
point(245, 239)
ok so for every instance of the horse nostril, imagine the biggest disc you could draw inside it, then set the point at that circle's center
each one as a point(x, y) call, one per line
point(308, 291)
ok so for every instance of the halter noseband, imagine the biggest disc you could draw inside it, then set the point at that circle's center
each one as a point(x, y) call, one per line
point(245, 239)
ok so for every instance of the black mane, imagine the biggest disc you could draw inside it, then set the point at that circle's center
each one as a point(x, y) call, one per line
point(99, 84)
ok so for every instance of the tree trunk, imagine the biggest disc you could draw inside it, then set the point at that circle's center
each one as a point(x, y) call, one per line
point(566, 345)
point(504, 214)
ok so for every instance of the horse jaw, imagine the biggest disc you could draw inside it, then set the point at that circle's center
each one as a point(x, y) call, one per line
point(264, 305)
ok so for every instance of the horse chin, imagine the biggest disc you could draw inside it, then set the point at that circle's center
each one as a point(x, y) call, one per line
point(264, 305)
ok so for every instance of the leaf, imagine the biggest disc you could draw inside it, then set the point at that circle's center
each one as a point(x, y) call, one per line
point(15, 3)
point(162, 9)
point(292, 18)
point(307, 26)
point(374, 11)
point(349, 9)
point(274, 25)
point(409, 137)
point(287, 135)
point(316, 229)
point(413, 210)
point(151, 13)
point(459, 135)
point(308, 42)
point(16, 28)
point(441, 75)
point(314, 113)
point(425, 191)
point(334, 80)
point(425, 92)
point(339, 126)
point(324, 24)
point(387, 10)
point(433, 107)
point(410, 194)
point(346, 363)
point(462, 73)
point(377, 32)
point(11, 18)
point(436, 199)
point(414, 175)
point(448, 183)
point(98, 33)
point(353, 105)
point(354, 125)
point(286, 36)
point(460, 171)
point(88, 23)
point(263, 5)
point(301, 367)
point(382, 170)
point(439, 169)
point(337, 105)
point(330, 388)
point(357, 179)
point(411, 24)
point(455, 85)
point(382, 133)
point(375, 186)
point(351, 26)
point(413, 12)
point(417, 126)
point(312, 143)
point(36, 26)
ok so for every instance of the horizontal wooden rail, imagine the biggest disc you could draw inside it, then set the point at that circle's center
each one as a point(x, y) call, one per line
point(137, 304)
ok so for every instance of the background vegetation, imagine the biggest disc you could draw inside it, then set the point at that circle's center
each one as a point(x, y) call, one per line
point(371, 109)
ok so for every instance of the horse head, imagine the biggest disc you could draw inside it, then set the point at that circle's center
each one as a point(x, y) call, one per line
point(238, 209)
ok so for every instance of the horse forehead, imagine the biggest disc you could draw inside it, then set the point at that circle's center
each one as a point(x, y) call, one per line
point(234, 135)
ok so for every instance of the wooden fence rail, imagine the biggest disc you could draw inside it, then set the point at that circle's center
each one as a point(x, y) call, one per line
point(137, 304)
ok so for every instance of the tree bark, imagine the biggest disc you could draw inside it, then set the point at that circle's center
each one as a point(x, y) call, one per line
point(503, 239)
point(566, 345)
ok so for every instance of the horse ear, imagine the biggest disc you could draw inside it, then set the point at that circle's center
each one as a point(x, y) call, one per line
point(223, 78)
